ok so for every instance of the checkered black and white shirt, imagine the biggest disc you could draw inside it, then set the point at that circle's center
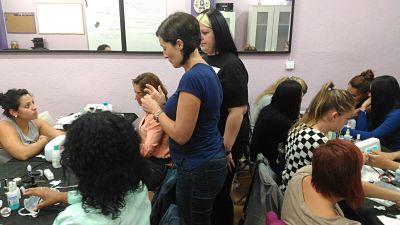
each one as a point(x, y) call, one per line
point(300, 145)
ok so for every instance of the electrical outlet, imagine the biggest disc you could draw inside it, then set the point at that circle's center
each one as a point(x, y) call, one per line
point(289, 65)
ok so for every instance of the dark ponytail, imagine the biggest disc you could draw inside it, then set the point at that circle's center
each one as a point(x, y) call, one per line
point(362, 82)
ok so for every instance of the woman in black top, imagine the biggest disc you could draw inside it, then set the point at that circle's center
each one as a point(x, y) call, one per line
point(217, 44)
point(273, 123)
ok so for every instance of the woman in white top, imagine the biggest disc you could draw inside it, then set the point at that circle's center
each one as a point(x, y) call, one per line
point(22, 134)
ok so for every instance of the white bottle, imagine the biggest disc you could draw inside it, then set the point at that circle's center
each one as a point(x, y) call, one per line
point(13, 196)
point(358, 138)
point(397, 176)
point(56, 157)
point(347, 136)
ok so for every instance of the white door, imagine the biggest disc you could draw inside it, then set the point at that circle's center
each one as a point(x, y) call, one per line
point(230, 20)
point(260, 27)
point(281, 28)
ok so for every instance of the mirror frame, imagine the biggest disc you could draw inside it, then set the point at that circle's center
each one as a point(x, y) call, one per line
point(123, 42)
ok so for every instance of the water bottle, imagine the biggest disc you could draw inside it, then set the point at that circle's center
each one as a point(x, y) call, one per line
point(56, 157)
point(13, 196)
point(106, 106)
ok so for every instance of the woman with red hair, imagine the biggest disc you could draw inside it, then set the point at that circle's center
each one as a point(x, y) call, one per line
point(313, 193)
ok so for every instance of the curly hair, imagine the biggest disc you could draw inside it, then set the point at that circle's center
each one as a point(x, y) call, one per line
point(102, 150)
point(10, 100)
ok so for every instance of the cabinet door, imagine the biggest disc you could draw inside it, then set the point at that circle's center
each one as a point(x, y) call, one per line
point(230, 20)
point(260, 27)
point(281, 28)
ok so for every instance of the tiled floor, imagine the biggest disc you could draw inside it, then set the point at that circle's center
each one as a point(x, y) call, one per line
point(239, 193)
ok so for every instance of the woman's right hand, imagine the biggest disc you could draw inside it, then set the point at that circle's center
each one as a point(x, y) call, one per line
point(366, 104)
point(157, 95)
point(150, 105)
point(43, 137)
point(48, 196)
point(377, 159)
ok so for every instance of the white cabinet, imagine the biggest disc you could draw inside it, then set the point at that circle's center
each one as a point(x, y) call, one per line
point(269, 27)
point(230, 20)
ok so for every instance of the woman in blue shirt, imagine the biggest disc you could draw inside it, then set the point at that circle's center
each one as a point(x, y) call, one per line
point(190, 118)
point(385, 113)
point(234, 124)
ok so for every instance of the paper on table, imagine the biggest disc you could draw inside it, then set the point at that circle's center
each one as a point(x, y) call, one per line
point(388, 221)
point(368, 174)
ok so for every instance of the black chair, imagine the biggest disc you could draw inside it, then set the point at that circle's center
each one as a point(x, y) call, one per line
point(131, 117)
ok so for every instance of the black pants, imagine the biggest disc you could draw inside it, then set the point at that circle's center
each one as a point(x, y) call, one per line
point(158, 172)
point(223, 205)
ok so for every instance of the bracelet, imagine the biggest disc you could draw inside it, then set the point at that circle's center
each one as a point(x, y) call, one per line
point(228, 152)
point(157, 114)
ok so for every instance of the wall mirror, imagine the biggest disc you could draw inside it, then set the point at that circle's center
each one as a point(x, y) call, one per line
point(262, 26)
point(77, 25)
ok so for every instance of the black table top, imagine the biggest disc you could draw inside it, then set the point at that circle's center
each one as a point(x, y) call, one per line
point(368, 213)
point(16, 168)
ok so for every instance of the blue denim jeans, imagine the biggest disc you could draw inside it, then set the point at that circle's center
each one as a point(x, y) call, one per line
point(196, 190)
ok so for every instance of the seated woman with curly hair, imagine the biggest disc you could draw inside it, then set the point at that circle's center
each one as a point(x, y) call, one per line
point(102, 150)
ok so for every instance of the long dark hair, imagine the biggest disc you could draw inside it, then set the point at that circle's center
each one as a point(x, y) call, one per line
point(181, 26)
point(223, 38)
point(385, 96)
point(102, 150)
point(10, 100)
point(287, 99)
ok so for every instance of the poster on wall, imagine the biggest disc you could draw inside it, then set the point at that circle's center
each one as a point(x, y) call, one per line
point(20, 23)
point(142, 18)
point(103, 24)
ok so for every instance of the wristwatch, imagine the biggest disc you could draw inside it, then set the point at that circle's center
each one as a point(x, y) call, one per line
point(157, 114)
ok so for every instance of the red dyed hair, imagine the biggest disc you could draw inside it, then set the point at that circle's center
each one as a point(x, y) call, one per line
point(336, 171)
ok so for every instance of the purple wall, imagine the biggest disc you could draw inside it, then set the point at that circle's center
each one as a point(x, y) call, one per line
point(332, 40)
point(3, 35)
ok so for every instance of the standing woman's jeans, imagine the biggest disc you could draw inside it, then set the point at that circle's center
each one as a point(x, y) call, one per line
point(197, 189)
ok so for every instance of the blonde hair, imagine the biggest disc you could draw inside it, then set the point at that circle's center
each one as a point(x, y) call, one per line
point(271, 89)
point(326, 99)
point(203, 19)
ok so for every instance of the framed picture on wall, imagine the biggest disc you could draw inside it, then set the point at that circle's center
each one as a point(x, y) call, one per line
point(198, 6)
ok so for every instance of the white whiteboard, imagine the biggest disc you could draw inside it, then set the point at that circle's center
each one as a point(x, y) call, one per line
point(142, 18)
point(60, 18)
point(103, 24)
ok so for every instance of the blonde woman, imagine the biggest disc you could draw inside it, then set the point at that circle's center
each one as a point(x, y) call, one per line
point(328, 111)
